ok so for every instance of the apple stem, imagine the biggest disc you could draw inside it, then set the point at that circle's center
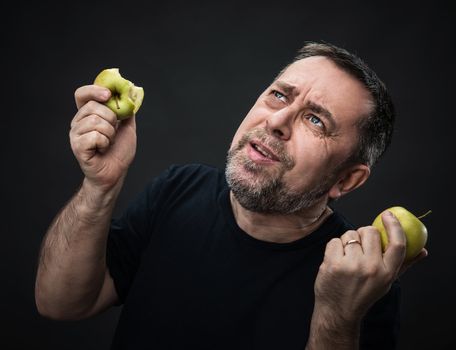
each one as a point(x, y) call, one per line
point(427, 213)
point(116, 98)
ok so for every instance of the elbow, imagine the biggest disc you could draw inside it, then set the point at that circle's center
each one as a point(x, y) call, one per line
point(58, 314)
point(47, 310)
point(54, 310)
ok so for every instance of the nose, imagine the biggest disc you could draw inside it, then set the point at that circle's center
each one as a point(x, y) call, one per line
point(279, 124)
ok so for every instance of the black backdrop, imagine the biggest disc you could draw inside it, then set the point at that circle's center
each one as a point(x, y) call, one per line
point(202, 66)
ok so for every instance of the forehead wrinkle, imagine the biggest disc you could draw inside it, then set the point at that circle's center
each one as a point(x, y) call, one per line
point(314, 106)
point(289, 89)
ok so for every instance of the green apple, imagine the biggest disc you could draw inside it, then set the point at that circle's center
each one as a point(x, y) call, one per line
point(415, 231)
point(126, 98)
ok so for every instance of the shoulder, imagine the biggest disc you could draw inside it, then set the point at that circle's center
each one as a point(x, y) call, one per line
point(181, 179)
point(191, 171)
point(191, 174)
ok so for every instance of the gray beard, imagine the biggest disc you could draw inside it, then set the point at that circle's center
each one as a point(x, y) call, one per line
point(264, 191)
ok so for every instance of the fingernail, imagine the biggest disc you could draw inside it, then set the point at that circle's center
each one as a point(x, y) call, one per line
point(388, 213)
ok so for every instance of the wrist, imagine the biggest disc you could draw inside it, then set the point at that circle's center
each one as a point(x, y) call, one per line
point(96, 198)
point(332, 316)
point(330, 330)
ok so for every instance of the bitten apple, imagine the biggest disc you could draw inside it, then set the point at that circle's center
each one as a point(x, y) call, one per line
point(126, 98)
point(415, 231)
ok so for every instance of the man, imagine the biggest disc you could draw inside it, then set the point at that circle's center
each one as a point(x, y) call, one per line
point(253, 259)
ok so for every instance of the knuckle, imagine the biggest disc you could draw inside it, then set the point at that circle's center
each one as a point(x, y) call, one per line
point(76, 146)
point(101, 140)
point(356, 268)
point(323, 267)
point(373, 231)
point(75, 119)
point(92, 105)
point(398, 245)
point(95, 136)
point(111, 132)
point(93, 120)
point(369, 233)
point(72, 138)
point(333, 241)
point(350, 234)
point(73, 145)
point(105, 140)
point(336, 269)
point(110, 116)
point(106, 129)
point(371, 271)
point(366, 229)
point(394, 221)
point(77, 93)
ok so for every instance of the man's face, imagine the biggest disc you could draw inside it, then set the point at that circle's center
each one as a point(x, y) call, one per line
point(287, 152)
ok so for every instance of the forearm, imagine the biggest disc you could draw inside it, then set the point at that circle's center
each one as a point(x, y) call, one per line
point(328, 332)
point(72, 265)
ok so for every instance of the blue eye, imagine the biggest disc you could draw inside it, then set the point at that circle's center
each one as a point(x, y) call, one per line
point(316, 121)
point(279, 96)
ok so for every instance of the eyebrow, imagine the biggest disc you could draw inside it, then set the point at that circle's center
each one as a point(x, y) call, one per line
point(313, 106)
point(287, 88)
point(319, 109)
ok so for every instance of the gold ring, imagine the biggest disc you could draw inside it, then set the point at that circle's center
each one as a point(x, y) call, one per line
point(352, 241)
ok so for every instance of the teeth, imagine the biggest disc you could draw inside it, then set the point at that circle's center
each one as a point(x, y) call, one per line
point(261, 151)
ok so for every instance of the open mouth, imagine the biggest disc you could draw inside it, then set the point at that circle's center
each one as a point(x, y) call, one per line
point(264, 151)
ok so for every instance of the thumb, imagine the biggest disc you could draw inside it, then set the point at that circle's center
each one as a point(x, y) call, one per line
point(395, 250)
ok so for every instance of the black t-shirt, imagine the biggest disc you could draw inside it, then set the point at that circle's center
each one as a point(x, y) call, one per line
point(190, 278)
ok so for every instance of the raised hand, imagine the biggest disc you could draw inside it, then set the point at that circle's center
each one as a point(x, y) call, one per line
point(103, 146)
point(355, 273)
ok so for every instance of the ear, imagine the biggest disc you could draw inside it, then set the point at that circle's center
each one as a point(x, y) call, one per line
point(350, 179)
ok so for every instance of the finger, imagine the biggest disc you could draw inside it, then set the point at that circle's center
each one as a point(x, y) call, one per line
point(95, 122)
point(334, 250)
point(86, 145)
point(370, 239)
point(87, 93)
point(93, 107)
point(395, 250)
point(351, 242)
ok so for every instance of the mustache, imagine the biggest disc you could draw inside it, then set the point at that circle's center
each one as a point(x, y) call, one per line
point(275, 145)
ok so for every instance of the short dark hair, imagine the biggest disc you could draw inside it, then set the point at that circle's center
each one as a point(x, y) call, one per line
point(376, 129)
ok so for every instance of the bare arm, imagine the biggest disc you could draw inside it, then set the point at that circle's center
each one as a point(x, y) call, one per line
point(72, 279)
point(327, 331)
point(350, 280)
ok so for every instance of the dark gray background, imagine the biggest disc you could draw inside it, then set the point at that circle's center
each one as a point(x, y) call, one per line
point(202, 66)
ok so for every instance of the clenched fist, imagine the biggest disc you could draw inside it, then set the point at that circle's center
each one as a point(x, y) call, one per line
point(103, 146)
point(355, 273)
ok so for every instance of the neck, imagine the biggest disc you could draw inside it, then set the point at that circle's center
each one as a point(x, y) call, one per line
point(279, 228)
